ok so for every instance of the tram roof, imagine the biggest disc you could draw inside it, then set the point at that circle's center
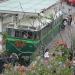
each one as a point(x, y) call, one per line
point(25, 6)
point(35, 25)
point(28, 26)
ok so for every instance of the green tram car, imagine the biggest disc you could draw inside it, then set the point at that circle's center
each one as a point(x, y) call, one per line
point(26, 41)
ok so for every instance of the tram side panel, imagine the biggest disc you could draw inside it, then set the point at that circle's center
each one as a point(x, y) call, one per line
point(48, 33)
point(29, 46)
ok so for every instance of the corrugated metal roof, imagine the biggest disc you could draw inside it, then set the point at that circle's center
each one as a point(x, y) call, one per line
point(26, 5)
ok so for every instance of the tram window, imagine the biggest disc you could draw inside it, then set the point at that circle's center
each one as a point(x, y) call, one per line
point(27, 34)
point(49, 26)
point(55, 22)
point(9, 31)
point(45, 30)
point(17, 33)
point(30, 35)
point(24, 34)
point(37, 35)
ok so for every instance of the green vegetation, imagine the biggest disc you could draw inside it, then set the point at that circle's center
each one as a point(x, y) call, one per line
point(58, 65)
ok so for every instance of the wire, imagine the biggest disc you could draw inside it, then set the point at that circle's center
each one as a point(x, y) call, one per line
point(21, 8)
point(22, 11)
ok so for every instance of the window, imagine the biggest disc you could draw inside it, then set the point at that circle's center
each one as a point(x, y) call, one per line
point(17, 33)
point(46, 29)
point(9, 31)
point(24, 34)
point(30, 36)
point(27, 34)
point(36, 35)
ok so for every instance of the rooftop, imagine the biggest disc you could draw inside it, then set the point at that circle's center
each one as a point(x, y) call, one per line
point(31, 6)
